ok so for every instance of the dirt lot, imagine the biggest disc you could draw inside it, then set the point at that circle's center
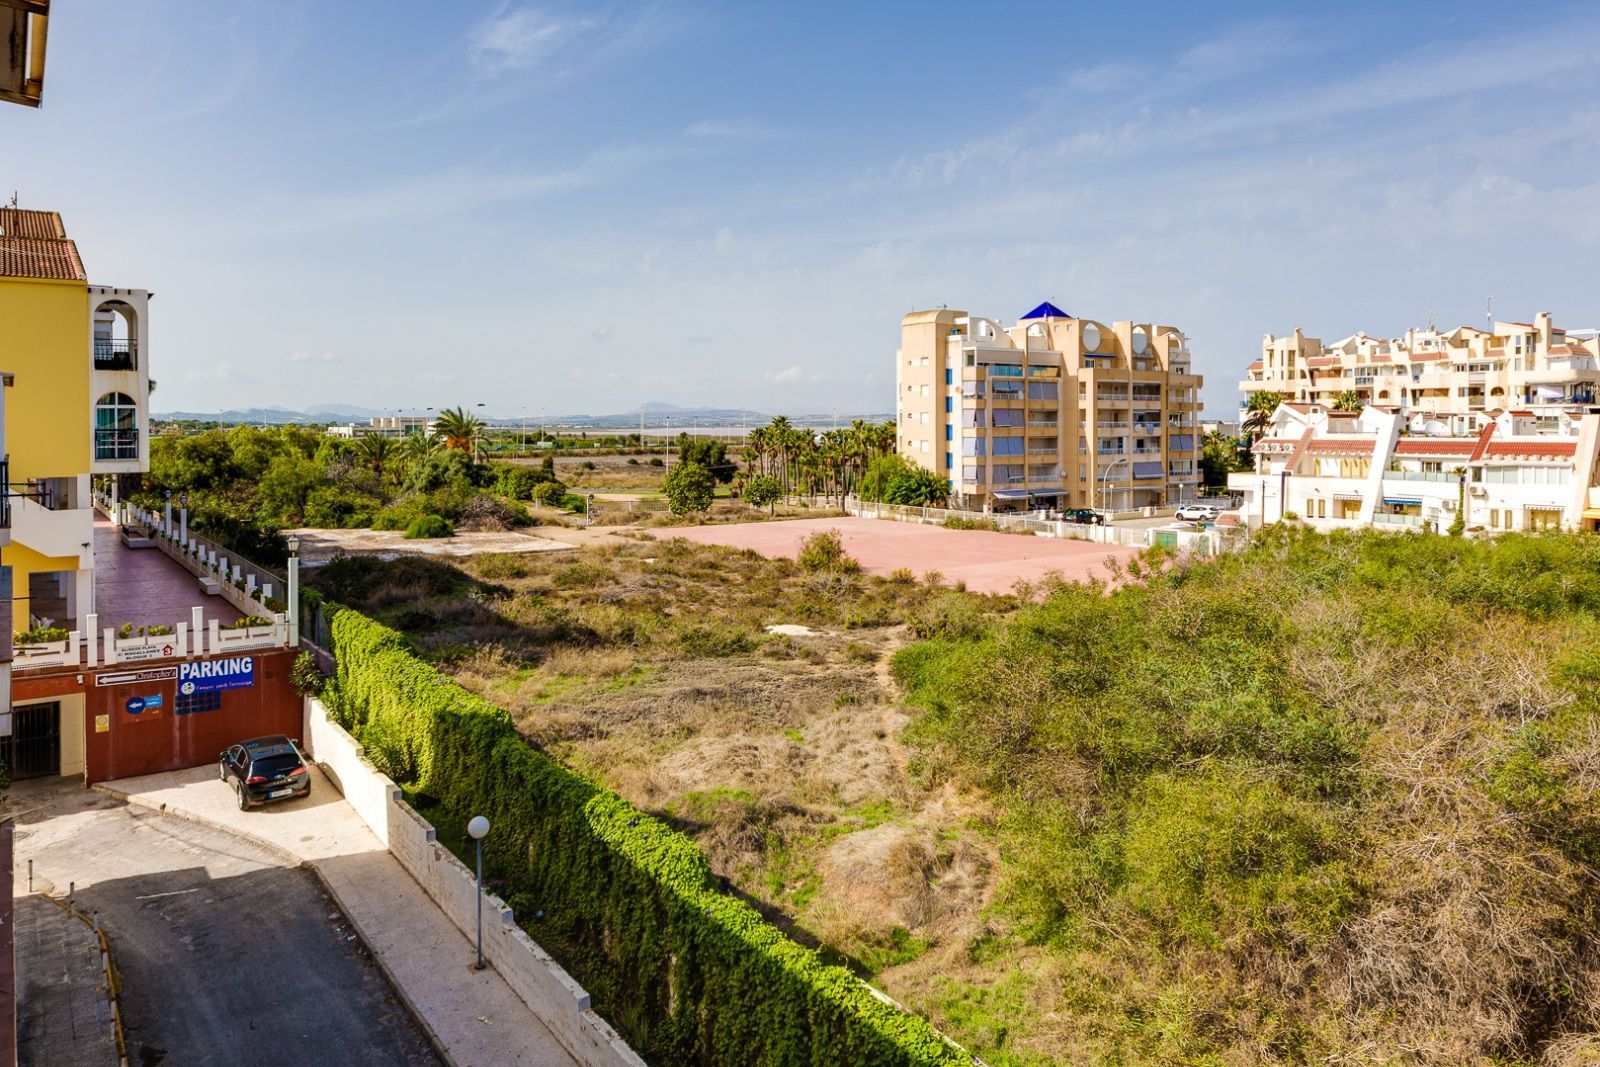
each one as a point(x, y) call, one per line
point(607, 472)
point(319, 546)
point(986, 562)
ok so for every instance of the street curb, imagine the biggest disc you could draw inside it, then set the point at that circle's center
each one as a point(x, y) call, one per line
point(294, 861)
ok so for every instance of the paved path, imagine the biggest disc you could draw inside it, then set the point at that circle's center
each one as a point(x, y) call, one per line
point(226, 954)
point(987, 562)
point(143, 586)
point(474, 1015)
point(63, 1006)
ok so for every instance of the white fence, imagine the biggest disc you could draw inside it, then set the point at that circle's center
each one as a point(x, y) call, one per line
point(1190, 540)
point(548, 990)
point(95, 647)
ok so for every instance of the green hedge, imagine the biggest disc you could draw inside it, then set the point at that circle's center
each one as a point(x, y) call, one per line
point(688, 973)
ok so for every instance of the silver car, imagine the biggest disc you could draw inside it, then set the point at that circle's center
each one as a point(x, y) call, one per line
point(1199, 512)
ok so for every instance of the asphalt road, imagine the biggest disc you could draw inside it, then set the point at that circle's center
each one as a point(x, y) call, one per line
point(226, 955)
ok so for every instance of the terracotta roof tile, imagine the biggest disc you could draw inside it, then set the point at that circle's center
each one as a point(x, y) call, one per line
point(1326, 445)
point(1323, 361)
point(34, 244)
point(1532, 448)
point(1435, 446)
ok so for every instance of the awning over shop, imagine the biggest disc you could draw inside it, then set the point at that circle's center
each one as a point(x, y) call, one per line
point(1011, 494)
point(1347, 496)
point(1402, 502)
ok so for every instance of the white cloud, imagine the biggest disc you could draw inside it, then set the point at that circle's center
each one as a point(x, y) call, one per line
point(795, 375)
point(602, 334)
point(522, 39)
point(308, 357)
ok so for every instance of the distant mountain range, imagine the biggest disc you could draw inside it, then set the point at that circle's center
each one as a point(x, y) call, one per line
point(655, 414)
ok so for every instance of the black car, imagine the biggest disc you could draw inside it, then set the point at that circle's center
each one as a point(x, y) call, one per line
point(265, 769)
point(1086, 516)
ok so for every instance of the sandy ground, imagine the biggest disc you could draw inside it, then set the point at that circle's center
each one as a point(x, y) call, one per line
point(319, 546)
point(986, 562)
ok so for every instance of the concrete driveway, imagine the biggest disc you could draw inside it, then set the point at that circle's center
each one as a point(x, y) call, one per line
point(227, 955)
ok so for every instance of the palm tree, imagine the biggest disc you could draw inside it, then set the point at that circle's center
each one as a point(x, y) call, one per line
point(1349, 400)
point(417, 447)
point(460, 430)
point(1259, 408)
point(375, 451)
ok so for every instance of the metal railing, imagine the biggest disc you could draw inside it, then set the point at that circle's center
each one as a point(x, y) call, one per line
point(5, 492)
point(116, 355)
point(116, 444)
point(1421, 476)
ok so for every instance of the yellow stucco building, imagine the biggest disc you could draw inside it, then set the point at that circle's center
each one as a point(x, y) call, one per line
point(79, 407)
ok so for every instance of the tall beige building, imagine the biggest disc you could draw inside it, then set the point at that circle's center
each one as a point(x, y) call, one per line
point(1054, 411)
point(1439, 382)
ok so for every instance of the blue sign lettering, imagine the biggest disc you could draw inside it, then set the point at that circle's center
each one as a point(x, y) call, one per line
point(213, 675)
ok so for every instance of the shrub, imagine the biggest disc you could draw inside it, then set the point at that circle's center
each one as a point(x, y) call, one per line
point(485, 512)
point(306, 677)
point(549, 493)
point(715, 640)
point(688, 487)
point(41, 634)
point(824, 551)
point(429, 527)
point(247, 621)
point(655, 461)
point(763, 491)
point(498, 566)
point(628, 905)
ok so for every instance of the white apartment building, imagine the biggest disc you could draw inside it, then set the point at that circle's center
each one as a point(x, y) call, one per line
point(384, 426)
point(1521, 470)
point(1439, 382)
point(1051, 412)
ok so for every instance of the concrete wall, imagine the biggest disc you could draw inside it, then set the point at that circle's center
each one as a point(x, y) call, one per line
point(550, 993)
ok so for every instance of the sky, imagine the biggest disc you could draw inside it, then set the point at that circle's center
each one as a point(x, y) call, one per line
point(552, 209)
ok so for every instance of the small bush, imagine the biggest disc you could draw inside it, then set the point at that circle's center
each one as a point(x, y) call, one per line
point(499, 566)
point(580, 575)
point(655, 461)
point(824, 551)
point(41, 634)
point(306, 676)
point(246, 622)
point(903, 576)
point(429, 527)
point(715, 640)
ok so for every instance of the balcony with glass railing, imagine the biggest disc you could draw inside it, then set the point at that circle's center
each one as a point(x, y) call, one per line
point(1386, 519)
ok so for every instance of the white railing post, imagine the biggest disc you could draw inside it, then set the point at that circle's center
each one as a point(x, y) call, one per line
point(180, 639)
point(109, 656)
point(91, 632)
point(216, 635)
point(197, 626)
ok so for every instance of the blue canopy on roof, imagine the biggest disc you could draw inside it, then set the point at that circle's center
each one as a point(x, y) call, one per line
point(1046, 310)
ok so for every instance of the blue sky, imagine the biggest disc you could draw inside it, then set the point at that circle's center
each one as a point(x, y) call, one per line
point(581, 208)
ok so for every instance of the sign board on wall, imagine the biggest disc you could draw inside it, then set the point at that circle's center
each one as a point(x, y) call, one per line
point(214, 675)
point(158, 674)
point(138, 652)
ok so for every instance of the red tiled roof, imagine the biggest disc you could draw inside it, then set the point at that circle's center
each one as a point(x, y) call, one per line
point(1435, 446)
point(1330, 444)
point(34, 244)
point(1532, 448)
point(1323, 361)
point(1302, 408)
point(1419, 357)
point(1522, 414)
point(1254, 366)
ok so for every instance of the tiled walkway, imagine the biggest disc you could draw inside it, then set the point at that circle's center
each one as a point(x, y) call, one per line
point(63, 1007)
point(142, 586)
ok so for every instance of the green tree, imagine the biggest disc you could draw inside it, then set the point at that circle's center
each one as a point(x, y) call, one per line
point(762, 491)
point(917, 487)
point(1219, 457)
point(1349, 400)
point(688, 487)
point(1259, 407)
point(880, 472)
point(461, 430)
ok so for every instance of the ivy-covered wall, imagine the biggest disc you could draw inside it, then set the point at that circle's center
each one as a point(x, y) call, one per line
point(689, 974)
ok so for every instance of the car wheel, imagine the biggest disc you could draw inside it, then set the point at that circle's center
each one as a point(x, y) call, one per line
point(244, 804)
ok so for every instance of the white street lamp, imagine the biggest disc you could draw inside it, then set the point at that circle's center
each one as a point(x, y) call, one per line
point(477, 829)
point(294, 592)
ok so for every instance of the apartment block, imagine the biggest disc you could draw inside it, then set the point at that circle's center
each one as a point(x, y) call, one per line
point(79, 357)
point(384, 426)
point(1439, 382)
point(1521, 470)
point(1051, 412)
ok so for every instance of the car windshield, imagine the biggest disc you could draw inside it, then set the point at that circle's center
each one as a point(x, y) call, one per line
point(274, 765)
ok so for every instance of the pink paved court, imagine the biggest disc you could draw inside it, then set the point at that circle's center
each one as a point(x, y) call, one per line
point(143, 586)
point(987, 562)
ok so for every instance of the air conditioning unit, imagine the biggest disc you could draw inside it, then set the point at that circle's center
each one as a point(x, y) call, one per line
point(1478, 490)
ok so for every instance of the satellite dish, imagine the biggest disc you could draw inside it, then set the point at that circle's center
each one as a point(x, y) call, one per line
point(1141, 340)
point(1091, 337)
